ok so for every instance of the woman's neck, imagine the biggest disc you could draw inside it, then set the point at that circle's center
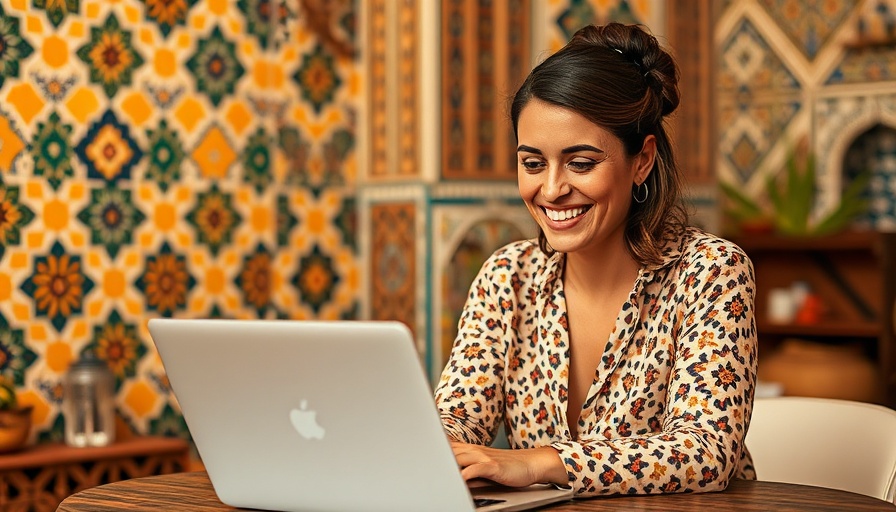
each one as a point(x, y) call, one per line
point(611, 268)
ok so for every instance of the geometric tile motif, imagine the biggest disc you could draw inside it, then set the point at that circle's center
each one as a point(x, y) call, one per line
point(111, 217)
point(57, 9)
point(316, 279)
point(748, 66)
point(13, 47)
point(809, 24)
point(215, 66)
point(317, 78)
point(58, 286)
point(52, 151)
point(393, 263)
point(165, 152)
point(256, 160)
point(751, 130)
point(15, 356)
point(14, 215)
point(110, 56)
point(108, 150)
point(214, 218)
point(168, 13)
point(254, 280)
point(165, 281)
point(117, 343)
point(864, 66)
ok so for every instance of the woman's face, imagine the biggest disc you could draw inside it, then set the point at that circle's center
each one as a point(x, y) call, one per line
point(575, 177)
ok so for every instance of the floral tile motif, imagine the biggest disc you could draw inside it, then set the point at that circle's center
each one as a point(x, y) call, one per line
point(57, 10)
point(15, 356)
point(108, 150)
point(286, 221)
point(166, 154)
point(214, 218)
point(119, 346)
point(14, 215)
point(809, 23)
point(111, 217)
point(168, 13)
point(317, 78)
point(256, 160)
point(52, 151)
point(316, 279)
point(57, 286)
point(165, 281)
point(110, 56)
point(215, 67)
point(255, 280)
point(13, 47)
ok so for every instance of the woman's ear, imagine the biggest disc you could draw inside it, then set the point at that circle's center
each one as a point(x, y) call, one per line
point(644, 160)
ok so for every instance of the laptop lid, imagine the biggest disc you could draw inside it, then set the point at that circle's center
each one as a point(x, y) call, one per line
point(312, 415)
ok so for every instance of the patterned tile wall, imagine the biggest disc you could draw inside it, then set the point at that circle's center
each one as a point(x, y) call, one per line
point(820, 70)
point(180, 159)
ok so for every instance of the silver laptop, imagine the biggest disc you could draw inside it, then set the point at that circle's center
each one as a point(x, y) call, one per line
point(319, 415)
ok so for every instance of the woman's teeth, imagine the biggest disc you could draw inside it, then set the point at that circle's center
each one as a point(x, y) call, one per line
point(558, 215)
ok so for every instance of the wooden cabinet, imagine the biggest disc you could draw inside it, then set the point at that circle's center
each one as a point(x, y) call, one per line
point(37, 478)
point(854, 276)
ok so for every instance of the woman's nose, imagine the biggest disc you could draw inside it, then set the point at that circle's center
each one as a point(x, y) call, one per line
point(556, 184)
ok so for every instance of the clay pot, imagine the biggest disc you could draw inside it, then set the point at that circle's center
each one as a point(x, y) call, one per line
point(806, 368)
point(15, 425)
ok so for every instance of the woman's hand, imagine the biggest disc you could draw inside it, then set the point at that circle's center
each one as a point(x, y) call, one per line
point(514, 468)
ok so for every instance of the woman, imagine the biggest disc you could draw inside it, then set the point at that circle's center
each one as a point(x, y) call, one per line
point(619, 351)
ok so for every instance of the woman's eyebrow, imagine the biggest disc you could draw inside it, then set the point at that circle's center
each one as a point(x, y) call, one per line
point(528, 149)
point(581, 147)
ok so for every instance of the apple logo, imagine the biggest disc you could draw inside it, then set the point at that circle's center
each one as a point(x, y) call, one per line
point(305, 422)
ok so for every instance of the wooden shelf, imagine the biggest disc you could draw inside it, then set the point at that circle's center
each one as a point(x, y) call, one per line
point(824, 329)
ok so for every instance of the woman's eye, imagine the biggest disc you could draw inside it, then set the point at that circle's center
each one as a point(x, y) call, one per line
point(532, 165)
point(582, 165)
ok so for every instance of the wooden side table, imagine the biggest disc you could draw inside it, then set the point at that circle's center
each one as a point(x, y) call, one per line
point(38, 478)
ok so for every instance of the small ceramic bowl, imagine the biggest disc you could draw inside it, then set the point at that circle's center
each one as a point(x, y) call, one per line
point(15, 425)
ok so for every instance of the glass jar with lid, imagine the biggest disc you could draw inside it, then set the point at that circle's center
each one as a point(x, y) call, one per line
point(88, 403)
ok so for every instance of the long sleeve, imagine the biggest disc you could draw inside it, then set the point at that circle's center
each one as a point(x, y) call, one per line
point(470, 394)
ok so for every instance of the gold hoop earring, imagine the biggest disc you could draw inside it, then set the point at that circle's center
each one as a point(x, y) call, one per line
point(637, 192)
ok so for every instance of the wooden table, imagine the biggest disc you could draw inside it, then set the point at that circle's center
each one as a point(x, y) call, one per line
point(193, 492)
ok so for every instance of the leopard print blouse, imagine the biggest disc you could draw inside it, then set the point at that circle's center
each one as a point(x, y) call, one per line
point(671, 400)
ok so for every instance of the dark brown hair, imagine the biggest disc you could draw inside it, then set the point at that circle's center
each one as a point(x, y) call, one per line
point(618, 77)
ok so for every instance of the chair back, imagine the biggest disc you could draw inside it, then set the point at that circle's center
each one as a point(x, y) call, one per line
point(838, 444)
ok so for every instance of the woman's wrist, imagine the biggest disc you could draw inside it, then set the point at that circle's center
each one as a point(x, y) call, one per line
point(550, 467)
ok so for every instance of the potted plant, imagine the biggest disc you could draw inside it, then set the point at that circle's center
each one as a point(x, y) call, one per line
point(15, 420)
point(789, 201)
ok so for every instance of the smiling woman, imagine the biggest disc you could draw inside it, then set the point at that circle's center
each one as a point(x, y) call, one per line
point(618, 351)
